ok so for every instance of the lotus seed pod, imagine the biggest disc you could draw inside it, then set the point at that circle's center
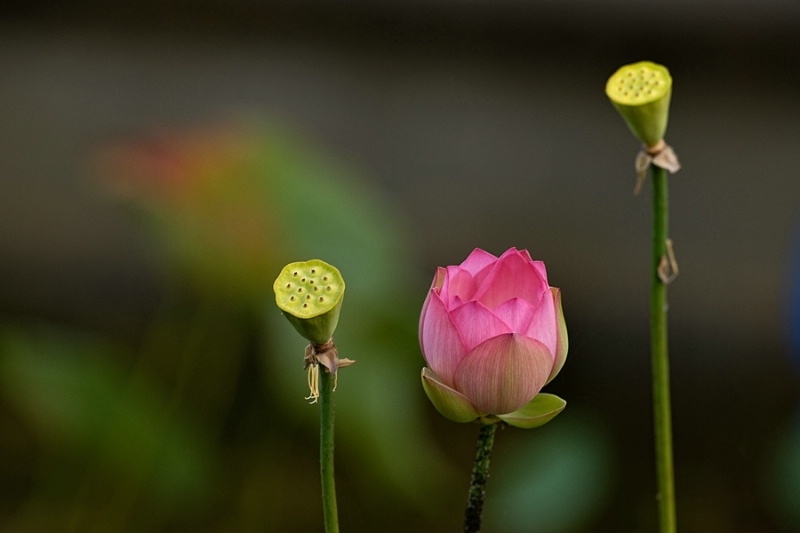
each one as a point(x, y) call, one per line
point(641, 93)
point(310, 295)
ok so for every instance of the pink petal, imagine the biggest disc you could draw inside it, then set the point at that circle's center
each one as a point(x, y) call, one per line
point(516, 313)
point(436, 286)
point(459, 287)
point(540, 268)
point(504, 373)
point(480, 276)
point(511, 277)
point(476, 323)
point(422, 314)
point(543, 325)
point(477, 261)
point(439, 339)
point(525, 254)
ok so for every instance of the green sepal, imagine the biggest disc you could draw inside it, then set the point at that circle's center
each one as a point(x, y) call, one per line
point(539, 411)
point(641, 93)
point(310, 293)
point(449, 402)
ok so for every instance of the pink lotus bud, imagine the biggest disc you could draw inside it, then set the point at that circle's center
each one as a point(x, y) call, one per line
point(493, 334)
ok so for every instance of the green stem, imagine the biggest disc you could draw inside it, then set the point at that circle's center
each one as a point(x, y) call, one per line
point(326, 419)
point(480, 474)
point(660, 356)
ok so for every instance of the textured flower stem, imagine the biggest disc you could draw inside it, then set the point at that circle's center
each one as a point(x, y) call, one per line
point(480, 474)
point(326, 404)
point(660, 356)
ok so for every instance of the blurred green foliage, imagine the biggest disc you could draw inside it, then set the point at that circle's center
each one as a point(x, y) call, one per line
point(102, 436)
point(553, 479)
point(780, 484)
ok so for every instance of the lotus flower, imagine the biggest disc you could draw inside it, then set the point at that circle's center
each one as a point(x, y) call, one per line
point(493, 334)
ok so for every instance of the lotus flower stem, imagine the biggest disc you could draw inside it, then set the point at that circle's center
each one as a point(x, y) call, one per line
point(662, 417)
point(480, 474)
point(326, 419)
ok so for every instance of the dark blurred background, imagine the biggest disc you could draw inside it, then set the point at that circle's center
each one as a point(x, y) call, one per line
point(160, 161)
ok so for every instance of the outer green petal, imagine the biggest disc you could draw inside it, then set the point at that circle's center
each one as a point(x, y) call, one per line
point(539, 411)
point(449, 402)
point(562, 343)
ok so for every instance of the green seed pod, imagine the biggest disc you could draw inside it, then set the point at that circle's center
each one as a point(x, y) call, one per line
point(641, 93)
point(310, 295)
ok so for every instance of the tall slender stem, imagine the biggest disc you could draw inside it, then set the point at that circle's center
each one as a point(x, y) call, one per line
point(326, 404)
point(662, 416)
point(480, 474)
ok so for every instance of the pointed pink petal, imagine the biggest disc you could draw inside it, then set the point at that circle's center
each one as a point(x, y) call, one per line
point(524, 254)
point(476, 323)
point(436, 286)
point(440, 342)
point(562, 344)
point(516, 313)
point(477, 261)
point(459, 286)
point(511, 277)
point(424, 311)
point(543, 324)
point(511, 251)
point(540, 268)
point(504, 373)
